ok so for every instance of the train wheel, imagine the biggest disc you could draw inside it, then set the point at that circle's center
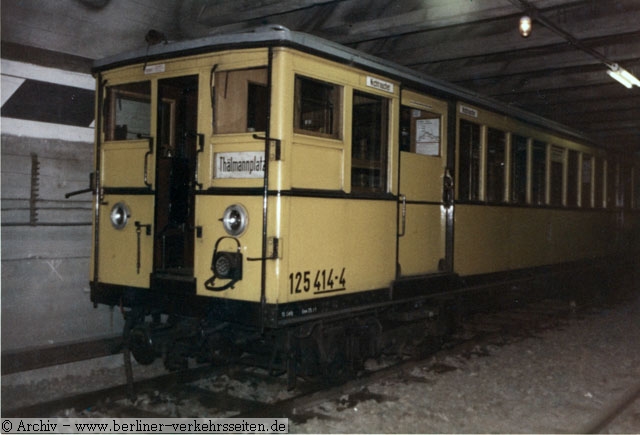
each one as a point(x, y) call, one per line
point(337, 367)
point(308, 358)
point(174, 360)
point(141, 345)
point(223, 349)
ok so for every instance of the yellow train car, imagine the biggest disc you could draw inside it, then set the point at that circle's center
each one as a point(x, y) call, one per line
point(272, 187)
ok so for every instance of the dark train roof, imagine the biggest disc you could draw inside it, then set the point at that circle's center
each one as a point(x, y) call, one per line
point(281, 36)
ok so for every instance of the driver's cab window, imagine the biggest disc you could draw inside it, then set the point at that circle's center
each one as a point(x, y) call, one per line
point(128, 111)
point(241, 101)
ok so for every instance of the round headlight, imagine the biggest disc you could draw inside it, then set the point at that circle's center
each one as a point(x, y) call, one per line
point(120, 215)
point(235, 220)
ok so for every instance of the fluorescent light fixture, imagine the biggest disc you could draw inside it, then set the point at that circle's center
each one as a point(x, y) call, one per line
point(623, 76)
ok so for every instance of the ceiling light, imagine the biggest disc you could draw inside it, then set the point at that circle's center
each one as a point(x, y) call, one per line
point(525, 26)
point(623, 76)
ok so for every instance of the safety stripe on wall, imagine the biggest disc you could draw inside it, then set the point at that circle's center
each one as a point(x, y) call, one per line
point(47, 103)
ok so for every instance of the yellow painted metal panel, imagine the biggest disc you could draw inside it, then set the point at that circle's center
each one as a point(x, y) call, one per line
point(423, 244)
point(490, 239)
point(481, 239)
point(340, 246)
point(421, 177)
point(118, 249)
point(123, 164)
point(209, 211)
point(316, 167)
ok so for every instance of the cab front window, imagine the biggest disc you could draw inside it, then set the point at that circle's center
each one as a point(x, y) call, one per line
point(128, 111)
point(241, 101)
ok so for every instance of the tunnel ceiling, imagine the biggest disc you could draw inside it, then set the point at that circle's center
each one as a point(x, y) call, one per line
point(558, 72)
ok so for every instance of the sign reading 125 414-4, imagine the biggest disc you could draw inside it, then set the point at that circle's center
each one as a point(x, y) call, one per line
point(318, 281)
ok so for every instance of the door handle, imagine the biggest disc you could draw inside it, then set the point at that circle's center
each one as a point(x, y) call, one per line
point(139, 227)
point(146, 162)
point(447, 188)
point(403, 221)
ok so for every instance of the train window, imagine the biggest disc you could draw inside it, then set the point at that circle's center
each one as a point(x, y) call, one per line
point(626, 185)
point(598, 186)
point(519, 169)
point(496, 146)
point(369, 140)
point(557, 176)
point(240, 101)
point(128, 112)
point(317, 108)
point(587, 173)
point(419, 131)
point(538, 173)
point(257, 105)
point(572, 178)
point(636, 186)
point(612, 183)
point(469, 161)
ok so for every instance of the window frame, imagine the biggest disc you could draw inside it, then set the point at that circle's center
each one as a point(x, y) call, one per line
point(374, 158)
point(496, 184)
point(470, 189)
point(337, 109)
point(221, 123)
point(114, 92)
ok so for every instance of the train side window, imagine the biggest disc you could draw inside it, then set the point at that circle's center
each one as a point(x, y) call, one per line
point(598, 182)
point(420, 131)
point(240, 101)
point(257, 106)
point(572, 178)
point(369, 142)
point(636, 185)
point(496, 146)
point(469, 161)
point(538, 173)
point(626, 184)
point(519, 169)
point(612, 183)
point(318, 108)
point(557, 176)
point(128, 111)
point(587, 173)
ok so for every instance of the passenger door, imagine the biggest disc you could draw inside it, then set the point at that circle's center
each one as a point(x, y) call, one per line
point(422, 214)
point(178, 146)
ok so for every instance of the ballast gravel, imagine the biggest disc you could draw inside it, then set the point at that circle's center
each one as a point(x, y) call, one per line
point(560, 380)
point(563, 380)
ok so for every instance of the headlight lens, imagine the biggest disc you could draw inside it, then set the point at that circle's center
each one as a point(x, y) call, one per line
point(235, 220)
point(120, 215)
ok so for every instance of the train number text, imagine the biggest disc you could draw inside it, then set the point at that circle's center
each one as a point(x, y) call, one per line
point(319, 281)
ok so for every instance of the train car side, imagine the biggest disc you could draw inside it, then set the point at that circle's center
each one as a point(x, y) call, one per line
point(272, 191)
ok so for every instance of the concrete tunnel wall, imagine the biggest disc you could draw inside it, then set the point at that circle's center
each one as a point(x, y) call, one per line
point(47, 151)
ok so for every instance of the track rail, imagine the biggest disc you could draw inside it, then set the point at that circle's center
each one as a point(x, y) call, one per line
point(213, 387)
point(610, 413)
point(35, 358)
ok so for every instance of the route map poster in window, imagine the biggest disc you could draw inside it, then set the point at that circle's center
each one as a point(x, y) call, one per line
point(428, 136)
